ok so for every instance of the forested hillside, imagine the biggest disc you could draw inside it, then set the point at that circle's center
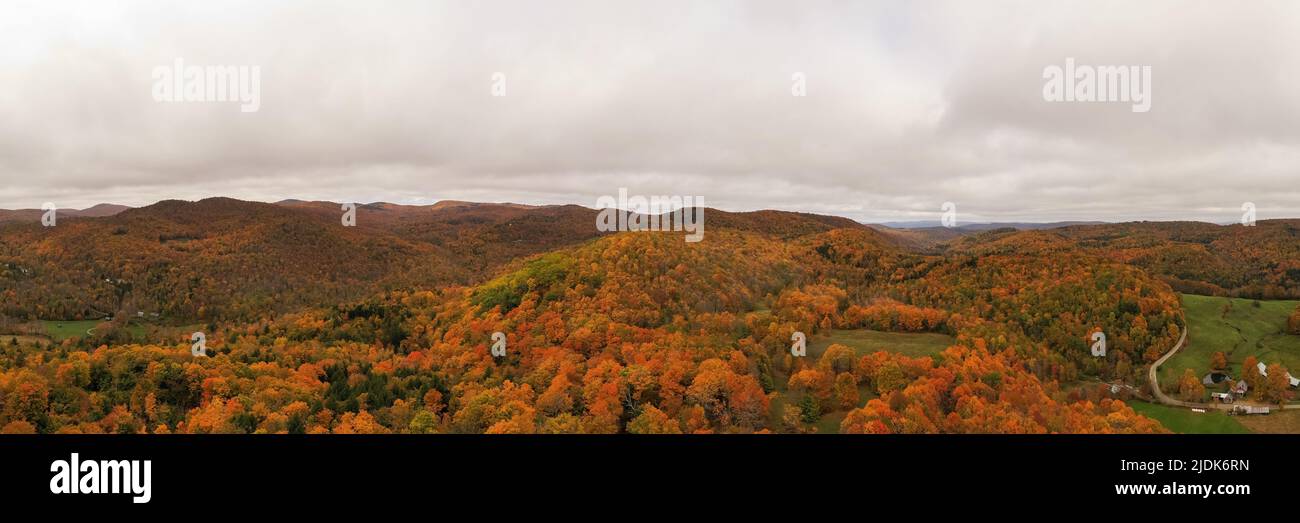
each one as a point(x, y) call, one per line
point(388, 326)
point(224, 260)
point(1261, 261)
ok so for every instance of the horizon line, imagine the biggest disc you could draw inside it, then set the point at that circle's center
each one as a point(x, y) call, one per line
point(902, 223)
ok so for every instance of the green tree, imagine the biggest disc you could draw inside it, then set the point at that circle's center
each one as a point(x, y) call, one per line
point(809, 410)
point(424, 423)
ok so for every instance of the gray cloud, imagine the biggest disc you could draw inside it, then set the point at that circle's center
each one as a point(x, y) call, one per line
point(909, 104)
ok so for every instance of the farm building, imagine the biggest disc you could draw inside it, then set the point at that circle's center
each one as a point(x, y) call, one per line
point(1223, 397)
point(1248, 409)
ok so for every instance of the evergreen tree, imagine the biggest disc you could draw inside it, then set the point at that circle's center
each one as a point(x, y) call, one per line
point(809, 411)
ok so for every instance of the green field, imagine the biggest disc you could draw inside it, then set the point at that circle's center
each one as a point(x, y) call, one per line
point(1184, 421)
point(1246, 330)
point(60, 330)
point(864, 341)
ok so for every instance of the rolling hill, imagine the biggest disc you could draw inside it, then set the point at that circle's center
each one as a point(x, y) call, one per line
point(386, 326)
point(1261, 261)
point(222, 258)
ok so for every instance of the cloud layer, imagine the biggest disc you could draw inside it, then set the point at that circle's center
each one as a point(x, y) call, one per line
point(909, 104)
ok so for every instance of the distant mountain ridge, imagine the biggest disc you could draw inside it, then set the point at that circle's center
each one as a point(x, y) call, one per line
point(109, 209)
point(985, 226)
point(97, 211)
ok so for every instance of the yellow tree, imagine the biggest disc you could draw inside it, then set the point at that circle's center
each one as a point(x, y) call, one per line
point(1250, 372)
point(1274, 387)
point(653, 421)
point(1190, 388)
point(846, 390)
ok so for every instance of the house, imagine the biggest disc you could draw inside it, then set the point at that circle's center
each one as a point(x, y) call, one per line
point(1263, 370)
point(1241, 388)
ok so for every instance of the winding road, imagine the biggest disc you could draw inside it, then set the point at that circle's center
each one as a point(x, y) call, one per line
point(1152, 376)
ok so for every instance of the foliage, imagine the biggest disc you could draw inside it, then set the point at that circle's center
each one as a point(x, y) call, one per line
point(630, 332)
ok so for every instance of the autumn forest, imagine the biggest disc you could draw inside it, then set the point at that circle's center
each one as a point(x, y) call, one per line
point(390, 326)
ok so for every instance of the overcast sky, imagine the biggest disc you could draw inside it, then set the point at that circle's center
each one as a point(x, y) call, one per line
point(908, 105)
